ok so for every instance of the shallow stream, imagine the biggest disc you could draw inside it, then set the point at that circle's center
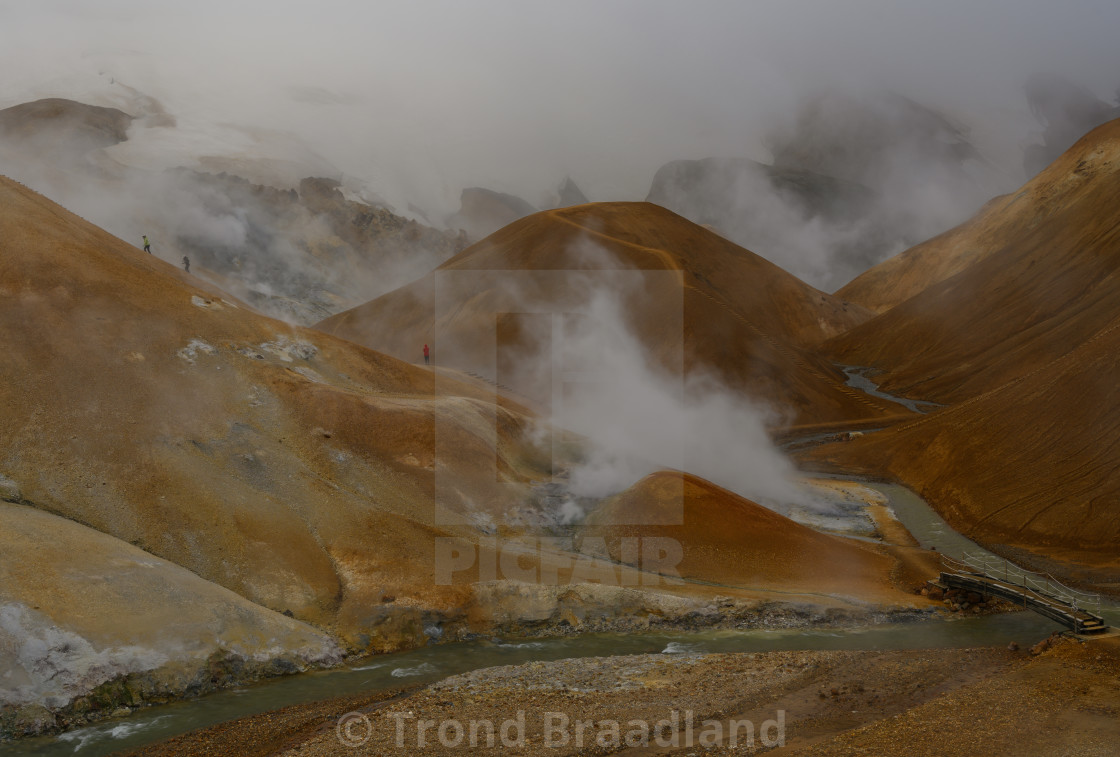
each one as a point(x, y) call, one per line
point(858, 379)
point(436, 662)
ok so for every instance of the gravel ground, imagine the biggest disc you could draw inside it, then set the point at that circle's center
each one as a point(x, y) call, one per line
point(936, 702)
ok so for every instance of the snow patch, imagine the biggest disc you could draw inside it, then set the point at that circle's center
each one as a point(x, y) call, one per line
point(288, 349)
point(309, 374)
point(205, 304)
point(52, 666)
point(191, 351)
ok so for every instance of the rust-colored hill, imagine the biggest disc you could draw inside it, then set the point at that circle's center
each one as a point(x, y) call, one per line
point(284, 464)
point(1078, 177)
point(732, 541)
point(244, 470)
point(1023, 344)
point(1028, 279)
point(1031, 469)
point(728, 311)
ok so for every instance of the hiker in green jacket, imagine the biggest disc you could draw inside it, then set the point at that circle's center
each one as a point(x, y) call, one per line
point(147, 245)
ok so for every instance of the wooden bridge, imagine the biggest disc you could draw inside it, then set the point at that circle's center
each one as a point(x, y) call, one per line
point(1041, 593)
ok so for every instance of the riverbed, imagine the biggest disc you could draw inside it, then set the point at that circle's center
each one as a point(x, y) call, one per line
point(433, 663)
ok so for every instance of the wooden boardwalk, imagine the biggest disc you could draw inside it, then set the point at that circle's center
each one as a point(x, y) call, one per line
point(1032, 591)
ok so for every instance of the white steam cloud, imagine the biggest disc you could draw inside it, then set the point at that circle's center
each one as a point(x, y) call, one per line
point(600, 348)
point(639, 418)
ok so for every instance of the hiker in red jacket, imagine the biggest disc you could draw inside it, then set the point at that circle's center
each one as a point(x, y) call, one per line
point(425, 354)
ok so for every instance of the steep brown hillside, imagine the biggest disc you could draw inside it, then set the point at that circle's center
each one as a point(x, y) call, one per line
point(1079, 178)
point(1034, 275)
point(728, 311)
point(1031, 468)
point(286, 465)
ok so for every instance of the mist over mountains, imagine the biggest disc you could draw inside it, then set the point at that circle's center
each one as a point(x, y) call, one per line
point(487, 322)
point(408, 107)
point(853, 177)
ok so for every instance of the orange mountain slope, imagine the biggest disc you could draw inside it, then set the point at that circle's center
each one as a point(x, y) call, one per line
point(1080, 177)
point(734, 542)
point(287, 465)
point(1031, 468)
point(727, 311)
point(1038, 276)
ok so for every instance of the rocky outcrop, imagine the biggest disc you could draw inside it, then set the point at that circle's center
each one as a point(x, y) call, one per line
point(9, 490)
point(300, 255)
point(533, 610)
point(569, 194)
point(370, 227)
point(90, 624)
point(1065, 111)
point(66, 125)
point(484, 211)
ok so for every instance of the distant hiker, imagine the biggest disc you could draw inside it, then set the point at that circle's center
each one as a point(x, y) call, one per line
point(186, 264)
point(425, 354)
point(147, 245)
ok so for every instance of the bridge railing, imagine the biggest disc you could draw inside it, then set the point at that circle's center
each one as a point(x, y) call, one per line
point(1043, 583)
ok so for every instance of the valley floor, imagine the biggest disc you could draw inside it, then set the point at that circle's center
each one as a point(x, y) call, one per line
point(938, 702)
